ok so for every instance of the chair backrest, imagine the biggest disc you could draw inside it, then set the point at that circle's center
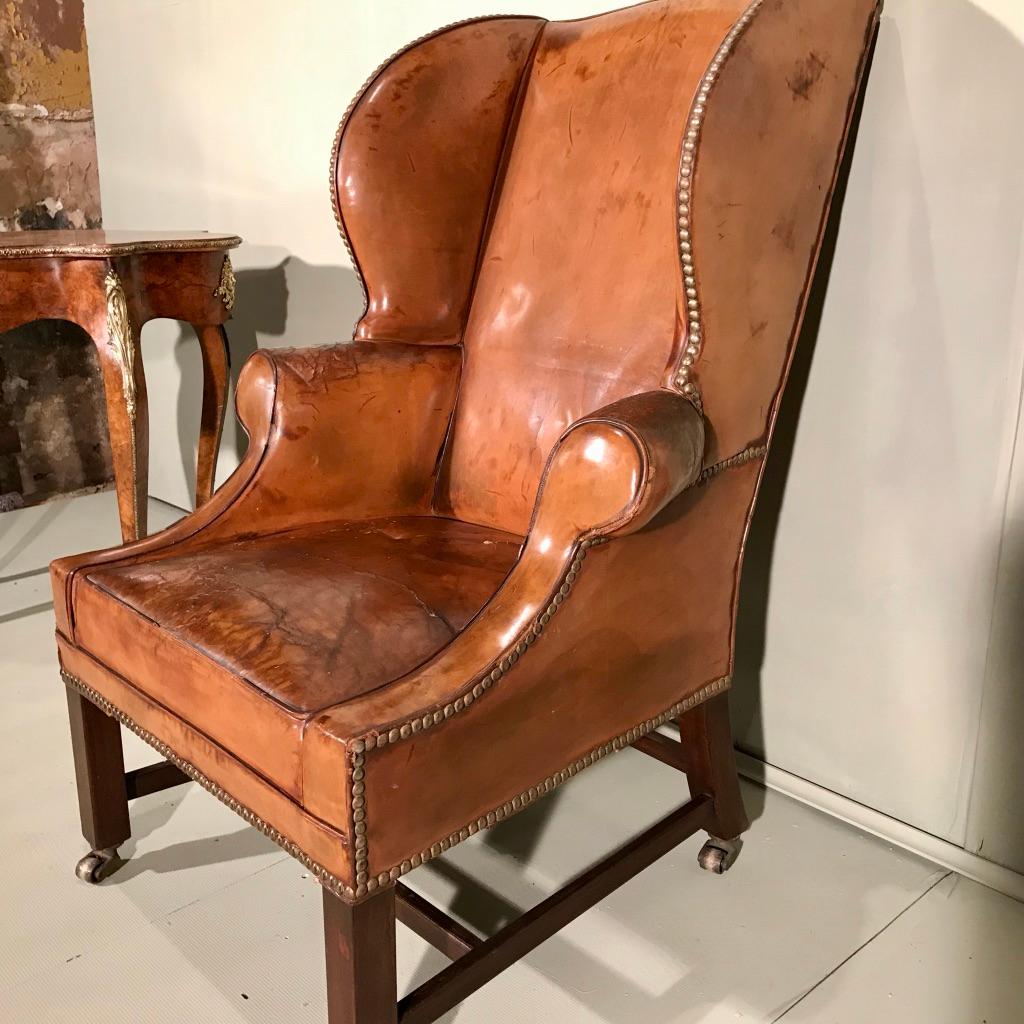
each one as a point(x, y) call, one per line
point(597, 208)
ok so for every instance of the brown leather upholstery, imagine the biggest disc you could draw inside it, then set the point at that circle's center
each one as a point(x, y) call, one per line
point(308, 619)
point(499, 535)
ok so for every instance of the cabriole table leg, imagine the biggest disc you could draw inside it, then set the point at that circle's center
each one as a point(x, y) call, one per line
point(213, 343)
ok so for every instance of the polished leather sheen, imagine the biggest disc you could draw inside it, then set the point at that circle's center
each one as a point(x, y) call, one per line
point(492, 537)
point(296, 618)
point(432, 125)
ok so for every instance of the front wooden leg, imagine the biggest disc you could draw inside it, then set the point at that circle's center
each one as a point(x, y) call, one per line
point(102, 796)
point(361, 972)
point(116, 339)
point(706, 735)
point(213, 342)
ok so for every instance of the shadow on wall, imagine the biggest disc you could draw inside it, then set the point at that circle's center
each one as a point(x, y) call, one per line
point(293, 303)
point(755, 584)
point(904, 291)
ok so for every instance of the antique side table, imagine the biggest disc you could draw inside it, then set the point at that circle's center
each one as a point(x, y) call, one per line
point(110, 283)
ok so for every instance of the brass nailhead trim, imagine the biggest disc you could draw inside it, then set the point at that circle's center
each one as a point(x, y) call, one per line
point(365, 883)
point(395, 733)
point(694, 329)
point(741, 459)
point(326, 879)
point(528, 796)
point(357, 803)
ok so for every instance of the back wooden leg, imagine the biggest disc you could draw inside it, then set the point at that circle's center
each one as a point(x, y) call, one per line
point(711, 771)
point(361, 973)
point(102, 797)
point(213, 343)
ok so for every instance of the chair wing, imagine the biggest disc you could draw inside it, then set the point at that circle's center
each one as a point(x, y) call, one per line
point(413, 170)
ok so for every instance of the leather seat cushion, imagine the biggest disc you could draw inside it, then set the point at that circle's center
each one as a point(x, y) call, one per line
point(248, 640)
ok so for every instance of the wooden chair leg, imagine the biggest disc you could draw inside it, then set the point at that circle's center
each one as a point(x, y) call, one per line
point(711, 771)
point(361, 973)
point(102, 795)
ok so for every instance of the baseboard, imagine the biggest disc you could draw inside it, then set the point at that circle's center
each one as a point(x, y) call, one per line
point(946, 854)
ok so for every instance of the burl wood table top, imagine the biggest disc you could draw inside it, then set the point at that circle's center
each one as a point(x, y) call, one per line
point(105, 244)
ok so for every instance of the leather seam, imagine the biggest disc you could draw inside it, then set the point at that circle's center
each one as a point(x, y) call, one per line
point(124, 681)
point(301, 717)
point(442, 472)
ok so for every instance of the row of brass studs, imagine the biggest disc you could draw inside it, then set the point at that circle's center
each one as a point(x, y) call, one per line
point(745, 456)
point(694, 329)
point(360, 840)
point(527, 797)
point(326, 879)
point(368, 885)
point(491, 676)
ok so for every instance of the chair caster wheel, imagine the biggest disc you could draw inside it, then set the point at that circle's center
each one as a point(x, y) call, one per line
point(97, 865)
point(718, 855)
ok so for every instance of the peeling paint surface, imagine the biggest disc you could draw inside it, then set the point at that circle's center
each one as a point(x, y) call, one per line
point(53, 434)
point(53, 427)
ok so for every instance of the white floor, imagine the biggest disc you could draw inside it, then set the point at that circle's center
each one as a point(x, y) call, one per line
point(209, 922)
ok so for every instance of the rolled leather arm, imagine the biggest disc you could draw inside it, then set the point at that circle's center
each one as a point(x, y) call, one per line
point(609, 475)
point(356, 431)
point(613, 471)
point(335, 432)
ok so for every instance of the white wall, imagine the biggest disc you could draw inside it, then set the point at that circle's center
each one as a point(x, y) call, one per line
point(865, 655)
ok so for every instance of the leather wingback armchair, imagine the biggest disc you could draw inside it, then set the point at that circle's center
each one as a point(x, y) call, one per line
point(498, 535)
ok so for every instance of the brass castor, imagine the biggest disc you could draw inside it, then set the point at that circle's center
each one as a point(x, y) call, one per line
point(719, 855)
point(98, 865)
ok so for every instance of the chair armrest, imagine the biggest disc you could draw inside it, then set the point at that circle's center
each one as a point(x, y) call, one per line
point(608, 476)
point(613, 471)
point(344, 431)
point(355, 432)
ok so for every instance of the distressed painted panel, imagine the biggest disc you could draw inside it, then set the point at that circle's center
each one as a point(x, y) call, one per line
point(53, 433)
point(53, 436)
